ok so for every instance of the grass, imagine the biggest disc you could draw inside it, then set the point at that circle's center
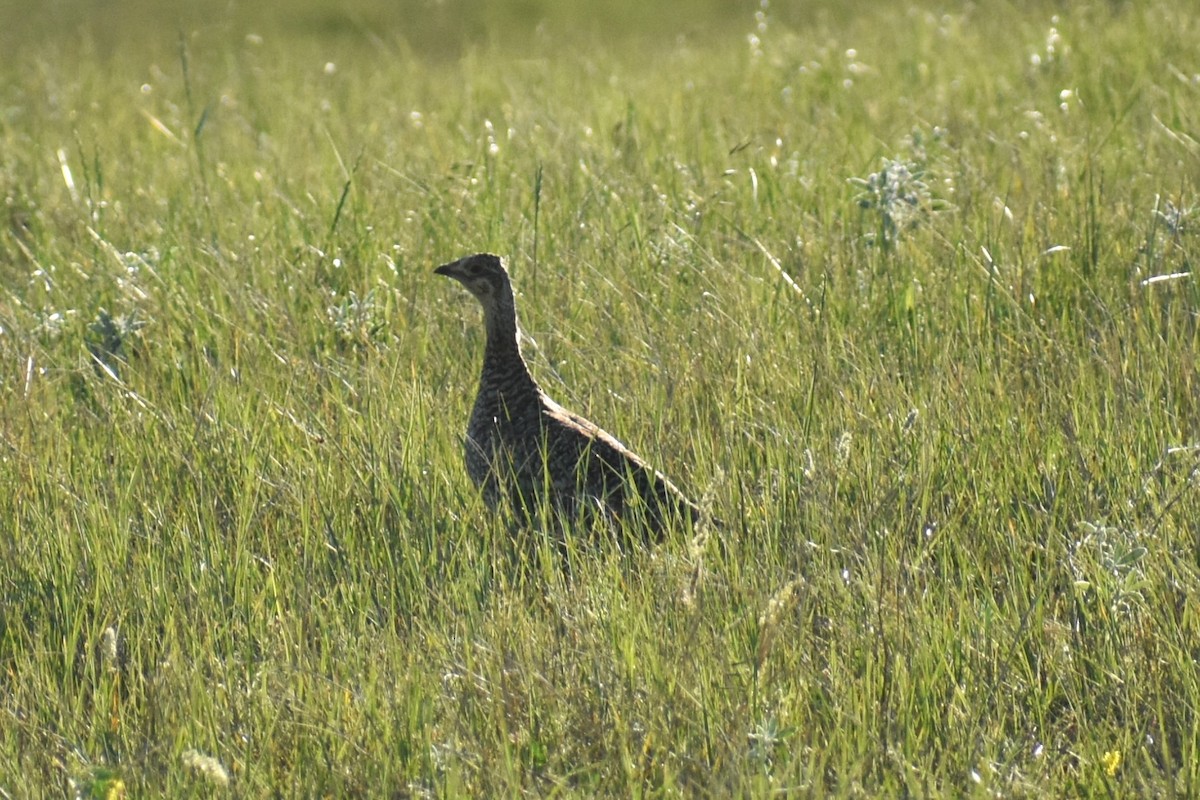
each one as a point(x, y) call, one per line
point(905, 294)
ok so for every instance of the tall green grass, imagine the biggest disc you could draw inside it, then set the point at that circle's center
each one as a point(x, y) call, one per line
point(904, 293)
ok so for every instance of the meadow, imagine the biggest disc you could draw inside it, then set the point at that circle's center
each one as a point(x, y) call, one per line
point(903, 293)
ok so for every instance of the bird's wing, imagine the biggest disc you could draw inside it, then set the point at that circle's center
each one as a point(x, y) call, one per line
point(606, 454)
point(591, 436)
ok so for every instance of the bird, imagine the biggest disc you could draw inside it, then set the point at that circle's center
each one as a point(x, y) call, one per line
point(526, 452)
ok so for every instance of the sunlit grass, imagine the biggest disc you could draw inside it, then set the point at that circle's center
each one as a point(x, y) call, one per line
point(906, 296)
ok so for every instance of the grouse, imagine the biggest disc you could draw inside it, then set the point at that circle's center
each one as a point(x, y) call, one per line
point(526, 450)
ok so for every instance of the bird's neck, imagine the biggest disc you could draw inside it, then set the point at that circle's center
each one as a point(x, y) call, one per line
point(504, 347)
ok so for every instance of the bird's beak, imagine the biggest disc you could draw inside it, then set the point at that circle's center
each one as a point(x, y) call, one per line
point(449, 270)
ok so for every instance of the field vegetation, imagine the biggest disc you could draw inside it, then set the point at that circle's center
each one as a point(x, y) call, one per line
point(904, 293)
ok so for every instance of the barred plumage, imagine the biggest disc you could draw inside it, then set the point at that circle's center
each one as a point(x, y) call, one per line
point(524, 449)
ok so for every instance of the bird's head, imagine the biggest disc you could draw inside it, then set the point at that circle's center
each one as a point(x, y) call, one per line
point(483, 275)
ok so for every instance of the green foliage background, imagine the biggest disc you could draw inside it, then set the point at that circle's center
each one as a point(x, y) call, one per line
point(904, 293)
